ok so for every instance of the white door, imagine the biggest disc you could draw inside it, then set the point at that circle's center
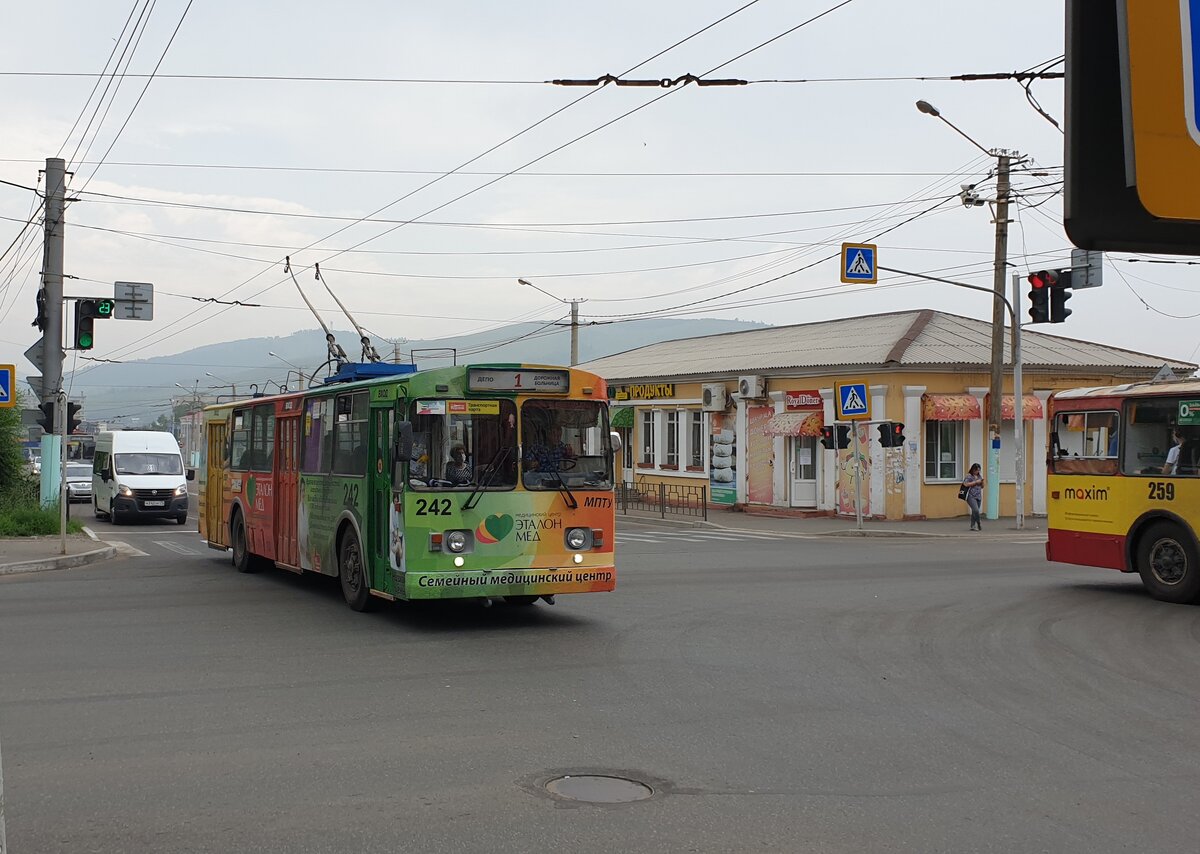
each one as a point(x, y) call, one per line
point(803, 471)
point(627, 452)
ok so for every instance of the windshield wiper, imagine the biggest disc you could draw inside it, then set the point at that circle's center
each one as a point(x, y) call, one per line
point(568, 495)
point(489, 474)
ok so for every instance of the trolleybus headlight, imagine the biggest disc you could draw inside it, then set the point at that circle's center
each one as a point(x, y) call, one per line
point(456, 541)
point(577, 538)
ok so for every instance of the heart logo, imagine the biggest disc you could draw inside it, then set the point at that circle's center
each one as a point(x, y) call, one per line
point(493, 529)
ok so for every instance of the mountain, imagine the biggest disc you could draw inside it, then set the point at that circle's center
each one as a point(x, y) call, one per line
point(135, 393)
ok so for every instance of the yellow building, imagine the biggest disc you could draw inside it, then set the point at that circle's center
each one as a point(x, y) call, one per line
point(741, 413)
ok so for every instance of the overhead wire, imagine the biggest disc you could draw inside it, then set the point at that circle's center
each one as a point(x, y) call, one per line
point(529, 163)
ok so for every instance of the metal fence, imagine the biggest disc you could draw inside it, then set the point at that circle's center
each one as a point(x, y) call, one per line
point(665, 499)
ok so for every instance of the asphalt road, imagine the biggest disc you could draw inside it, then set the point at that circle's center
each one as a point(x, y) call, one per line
point(779, 694)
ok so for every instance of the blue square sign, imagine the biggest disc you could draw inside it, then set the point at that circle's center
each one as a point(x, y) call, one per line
point(853, 402)
point(858, 264)
point(8, 385)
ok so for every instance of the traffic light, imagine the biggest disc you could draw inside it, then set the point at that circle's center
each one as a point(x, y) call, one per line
point(827, 438)
point(86, 311)
point(47, 419)
point(1060, 292)
point(891, 434)
point(72, 417)
point(843, 437)
point(1039, 296)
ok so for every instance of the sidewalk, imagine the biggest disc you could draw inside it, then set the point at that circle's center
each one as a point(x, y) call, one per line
point(840, 526)
point(35, 554)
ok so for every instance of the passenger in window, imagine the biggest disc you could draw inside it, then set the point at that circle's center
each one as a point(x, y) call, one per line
point(458, 470)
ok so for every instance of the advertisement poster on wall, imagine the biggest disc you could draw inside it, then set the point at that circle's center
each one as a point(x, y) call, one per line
point(723, 460)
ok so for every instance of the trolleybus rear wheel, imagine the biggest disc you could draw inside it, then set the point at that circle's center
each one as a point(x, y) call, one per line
point(1168, 563)
point(241, 557)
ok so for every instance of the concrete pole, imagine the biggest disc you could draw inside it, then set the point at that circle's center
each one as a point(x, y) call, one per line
point(1003, 163)
point(52, 336)
point(52, 275)
point(1018, 401)
point(575, 332)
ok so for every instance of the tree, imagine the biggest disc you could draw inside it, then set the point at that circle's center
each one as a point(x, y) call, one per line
point(12, 456)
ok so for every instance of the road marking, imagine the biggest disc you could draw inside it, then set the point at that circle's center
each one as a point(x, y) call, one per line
point(181, 550)
point(126, 549)
point(159, 532)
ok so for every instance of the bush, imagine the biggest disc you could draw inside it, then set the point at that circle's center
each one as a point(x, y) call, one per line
point(21, 516)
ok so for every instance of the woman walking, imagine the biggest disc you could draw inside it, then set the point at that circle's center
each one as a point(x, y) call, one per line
point(973, 484)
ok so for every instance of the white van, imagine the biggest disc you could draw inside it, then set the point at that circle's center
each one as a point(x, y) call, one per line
point(138, 474)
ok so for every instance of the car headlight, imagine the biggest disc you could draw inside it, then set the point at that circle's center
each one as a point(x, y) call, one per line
point(125, 491)
point(456, 541)
point(181, 490)
point(577, 538)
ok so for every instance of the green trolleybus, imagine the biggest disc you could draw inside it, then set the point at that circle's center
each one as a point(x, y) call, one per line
point(479, 481)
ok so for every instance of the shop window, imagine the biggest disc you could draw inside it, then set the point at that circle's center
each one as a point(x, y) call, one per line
point(646, 457)
point(944, 450)
point(671, 456)
point(696, 440)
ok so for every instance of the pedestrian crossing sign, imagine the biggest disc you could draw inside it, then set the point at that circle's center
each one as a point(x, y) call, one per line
point(853, 402)
point(8, 386)
point(858, 264)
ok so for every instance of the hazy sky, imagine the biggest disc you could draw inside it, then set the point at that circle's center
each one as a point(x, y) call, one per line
point(704, 202)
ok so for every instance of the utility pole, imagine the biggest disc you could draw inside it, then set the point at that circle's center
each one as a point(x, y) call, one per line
point(1003, 163)
point(575, 331)
point(52, 337)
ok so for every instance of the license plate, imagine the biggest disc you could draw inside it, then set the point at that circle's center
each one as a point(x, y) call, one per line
point(155, 503)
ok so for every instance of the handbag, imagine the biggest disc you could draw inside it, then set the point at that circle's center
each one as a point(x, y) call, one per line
point(962, 492)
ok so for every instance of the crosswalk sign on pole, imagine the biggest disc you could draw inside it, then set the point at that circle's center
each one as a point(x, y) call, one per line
point(8, 385)
point(859, 264)
point(852, 401)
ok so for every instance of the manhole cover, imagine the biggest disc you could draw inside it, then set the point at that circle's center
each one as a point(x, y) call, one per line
point(599, 789)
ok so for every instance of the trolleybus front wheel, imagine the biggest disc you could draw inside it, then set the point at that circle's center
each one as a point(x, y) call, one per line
point(1168, 563)
point(352, 574)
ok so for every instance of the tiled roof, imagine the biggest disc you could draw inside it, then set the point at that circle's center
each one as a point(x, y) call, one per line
point(918, 338)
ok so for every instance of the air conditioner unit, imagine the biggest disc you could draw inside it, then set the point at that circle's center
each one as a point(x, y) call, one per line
point(752, 387)
point(714, 397)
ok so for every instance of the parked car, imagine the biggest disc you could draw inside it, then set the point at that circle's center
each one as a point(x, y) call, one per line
point(79, 481)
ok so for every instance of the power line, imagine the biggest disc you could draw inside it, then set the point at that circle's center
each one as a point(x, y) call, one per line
point(535, 160)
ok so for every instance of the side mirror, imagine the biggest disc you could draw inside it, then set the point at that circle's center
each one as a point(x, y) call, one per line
point(614, 439)
point(191, 474)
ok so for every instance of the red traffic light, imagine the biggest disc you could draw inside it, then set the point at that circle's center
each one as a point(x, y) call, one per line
point(1042, 279)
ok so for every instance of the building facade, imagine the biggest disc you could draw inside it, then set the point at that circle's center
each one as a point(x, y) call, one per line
point(741, 413)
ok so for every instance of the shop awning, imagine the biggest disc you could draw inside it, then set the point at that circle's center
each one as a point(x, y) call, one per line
point(1031, 407)
point(949, 407)
point(621, 417)
point(795, 424)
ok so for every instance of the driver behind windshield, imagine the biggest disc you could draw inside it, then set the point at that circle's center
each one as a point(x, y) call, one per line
point(458, 470)
point(548, 454)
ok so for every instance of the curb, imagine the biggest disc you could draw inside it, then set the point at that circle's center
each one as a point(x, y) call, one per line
point(59, 561)
point(844, 534)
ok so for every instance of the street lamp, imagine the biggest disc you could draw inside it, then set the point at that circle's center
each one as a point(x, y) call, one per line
point(1000, 267)
point(286, 362)
point(574, 317)
point(232, 385)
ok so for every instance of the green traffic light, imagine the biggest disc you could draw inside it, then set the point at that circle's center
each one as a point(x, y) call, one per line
point(85, 341)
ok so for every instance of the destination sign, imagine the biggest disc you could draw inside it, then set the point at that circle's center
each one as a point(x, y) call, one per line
point(536, 381)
